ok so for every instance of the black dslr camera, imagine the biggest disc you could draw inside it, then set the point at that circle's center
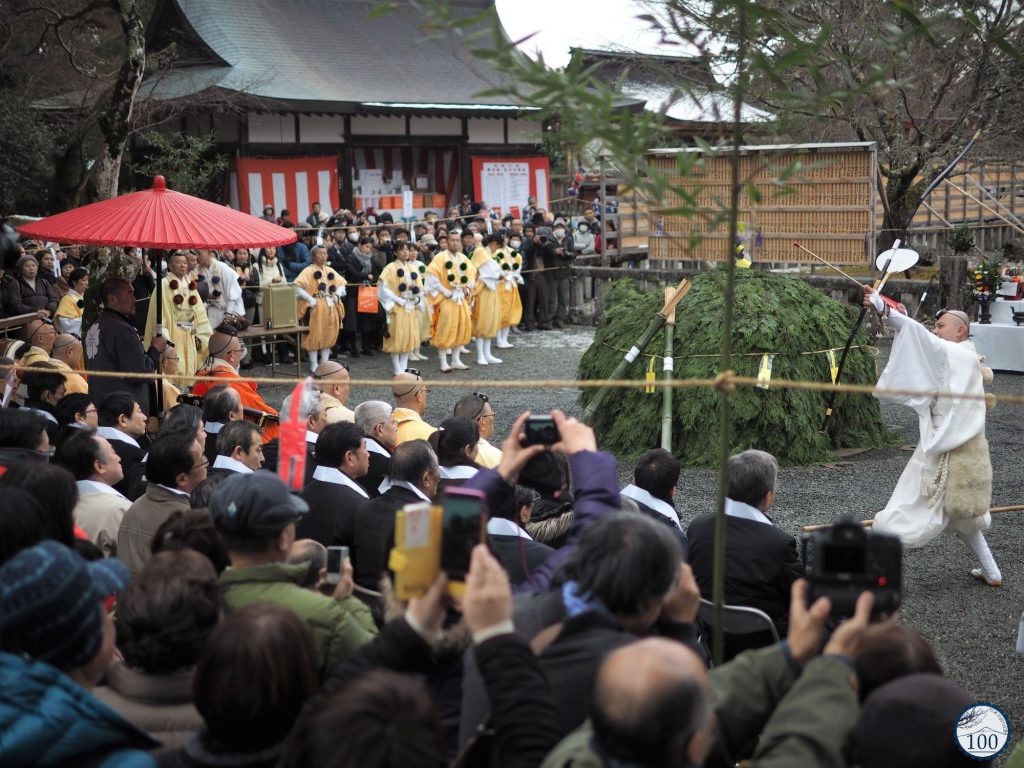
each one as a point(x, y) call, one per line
point(847, 559)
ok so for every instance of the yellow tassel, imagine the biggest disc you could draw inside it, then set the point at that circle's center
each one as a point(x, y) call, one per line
point(833, 366)
point(764, 371)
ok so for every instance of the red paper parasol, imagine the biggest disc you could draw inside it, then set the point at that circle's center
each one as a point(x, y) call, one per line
point(158, 218)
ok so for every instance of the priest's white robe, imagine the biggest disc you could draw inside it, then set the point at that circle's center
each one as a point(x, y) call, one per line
point(922, 361)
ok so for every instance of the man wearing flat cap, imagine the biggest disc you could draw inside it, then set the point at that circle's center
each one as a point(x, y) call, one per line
point(255, 516)
point(948, 482)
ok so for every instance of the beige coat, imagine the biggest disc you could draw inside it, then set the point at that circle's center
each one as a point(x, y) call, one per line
point(160, 705)
point(100, 515)
point(141, 521)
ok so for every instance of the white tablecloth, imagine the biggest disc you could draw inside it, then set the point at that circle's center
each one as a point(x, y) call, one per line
point(1002, 345)
point(1002, 311)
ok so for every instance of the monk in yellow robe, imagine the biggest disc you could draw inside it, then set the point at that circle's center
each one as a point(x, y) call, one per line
point(487, 304)
point(184, 316)
point(320, 289)
point(450, 282)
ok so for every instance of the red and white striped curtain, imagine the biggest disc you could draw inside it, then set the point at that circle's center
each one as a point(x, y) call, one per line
point(292, 184)
point(439, 164)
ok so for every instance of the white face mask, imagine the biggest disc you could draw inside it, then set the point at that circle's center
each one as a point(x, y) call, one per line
point(515, 244)
point(354, 237)
point(584, 228)
point(559, 232)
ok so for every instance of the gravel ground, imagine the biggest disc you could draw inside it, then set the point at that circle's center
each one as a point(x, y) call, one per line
point(972, 627)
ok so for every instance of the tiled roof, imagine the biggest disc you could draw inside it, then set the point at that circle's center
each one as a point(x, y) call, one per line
point(333, 53)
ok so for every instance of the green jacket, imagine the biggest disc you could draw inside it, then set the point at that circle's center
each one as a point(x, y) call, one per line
point(338, 627)
point(804, 724)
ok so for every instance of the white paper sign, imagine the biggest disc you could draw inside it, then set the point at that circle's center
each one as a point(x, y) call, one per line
point(505, 184)
point(407, 204)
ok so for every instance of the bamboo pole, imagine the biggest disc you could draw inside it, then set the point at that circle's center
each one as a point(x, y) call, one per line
point(645, 338)
point(725, 392)
point(871, 522)
point(666, 398)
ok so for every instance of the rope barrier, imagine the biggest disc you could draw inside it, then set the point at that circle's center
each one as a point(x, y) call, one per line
point(727, 380)
point(871, 349)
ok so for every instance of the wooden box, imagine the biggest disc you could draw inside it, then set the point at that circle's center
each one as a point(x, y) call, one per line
point(279, 308)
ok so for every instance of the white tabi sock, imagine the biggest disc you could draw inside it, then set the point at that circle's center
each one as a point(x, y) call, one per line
point(396, 363)
point(976, 541)
point(481, 356)
point(487, 353)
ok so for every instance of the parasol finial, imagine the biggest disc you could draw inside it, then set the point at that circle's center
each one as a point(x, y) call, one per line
point(159, 182)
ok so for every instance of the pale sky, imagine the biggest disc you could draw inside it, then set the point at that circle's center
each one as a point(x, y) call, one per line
point(560, 24)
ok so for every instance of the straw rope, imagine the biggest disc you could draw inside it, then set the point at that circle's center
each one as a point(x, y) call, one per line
point(727, 381)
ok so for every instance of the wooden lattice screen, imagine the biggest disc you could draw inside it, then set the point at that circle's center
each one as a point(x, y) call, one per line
point(828, 205)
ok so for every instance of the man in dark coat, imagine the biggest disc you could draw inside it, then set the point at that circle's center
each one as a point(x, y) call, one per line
point(515, 548)
point(654, 487)
point(414, 475)
point(761, 562)
point(112, 343)
point(334, 495)
point(375, 418)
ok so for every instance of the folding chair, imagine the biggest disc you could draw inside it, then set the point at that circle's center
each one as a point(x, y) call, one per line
point(738, 620)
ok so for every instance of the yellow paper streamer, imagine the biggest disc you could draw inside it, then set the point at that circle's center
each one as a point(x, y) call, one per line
point(651, 377)
point(764, 371)
point(833, 366)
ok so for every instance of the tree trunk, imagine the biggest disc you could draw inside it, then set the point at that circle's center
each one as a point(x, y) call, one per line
point(954, 289)
point(115, 119)
point(901, 192)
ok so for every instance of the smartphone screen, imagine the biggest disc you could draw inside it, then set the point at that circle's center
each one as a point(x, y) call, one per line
point(336, 557)
point(463, 519)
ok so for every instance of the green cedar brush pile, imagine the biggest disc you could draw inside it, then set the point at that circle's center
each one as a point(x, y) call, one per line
point(773, 313)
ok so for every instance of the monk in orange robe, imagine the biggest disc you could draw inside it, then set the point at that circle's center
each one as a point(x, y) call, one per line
point(226, 353)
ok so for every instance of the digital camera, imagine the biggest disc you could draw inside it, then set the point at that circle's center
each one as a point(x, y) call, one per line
point(847, 559)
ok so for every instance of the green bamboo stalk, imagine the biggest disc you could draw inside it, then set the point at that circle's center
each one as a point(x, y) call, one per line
point(725, 410)
point(666, 398)
point(645, 338)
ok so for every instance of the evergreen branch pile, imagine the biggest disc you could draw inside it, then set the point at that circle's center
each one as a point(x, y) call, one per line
point(775, 314)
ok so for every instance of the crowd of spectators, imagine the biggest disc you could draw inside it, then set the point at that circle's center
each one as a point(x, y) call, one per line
point(164, 600)
point(164, 597)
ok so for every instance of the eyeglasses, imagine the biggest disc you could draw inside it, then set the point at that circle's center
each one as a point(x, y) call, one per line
point(91, 410)
point(48, 453)
point(204, 463)
point(413, 371)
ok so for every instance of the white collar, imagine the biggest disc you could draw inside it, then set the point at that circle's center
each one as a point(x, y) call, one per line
point(311, 437)
point(87, 487)
point(374, 447)
point(168, 488)
point(222, 365)
point(640, 496)
point(213, 427)
point(499, 526)
point(226, 462)
point(116, 434)
point(408, 487)
point(743, 511)
point(337, 477)
point(458, 472)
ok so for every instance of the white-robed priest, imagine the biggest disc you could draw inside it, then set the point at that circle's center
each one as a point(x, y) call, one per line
point(948, 482)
